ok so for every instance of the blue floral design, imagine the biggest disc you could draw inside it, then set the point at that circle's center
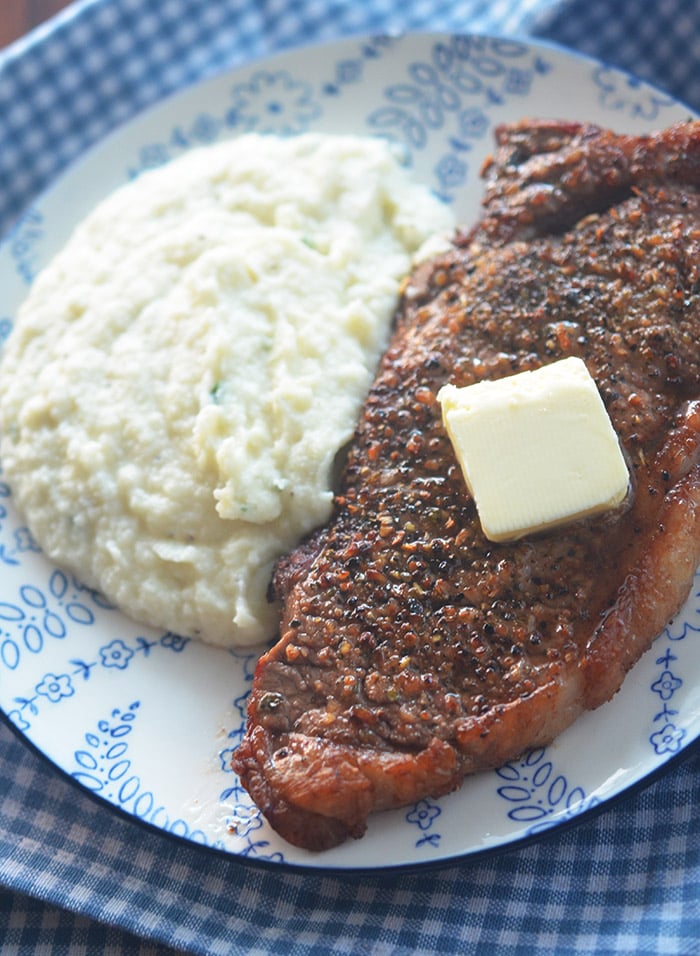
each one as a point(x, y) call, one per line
point(669, 737)
point(225, 758)
point(465, 77)
point(17, 718)
point(153, 155)
point(95, 596)
point(666, 685)
point(423, 815)
point(205, 128)
point(473, 122)
point(247, 661)
point(450, 171)
point(22, 537)
point(241, 704)
point(116, 654)
point(82, 668)
point(40, 615)
point(539, 795)
point(24, 241)
point(678, 629)
point(175, 642)
point(103, 766)
point(518, 82)
point(273, 103)
point(349, 71)
point(624, 93)
point(6, 556)
point(55, 686)
point(24, 540)
point(244, 820)
point(458, 86)
point(668, 740)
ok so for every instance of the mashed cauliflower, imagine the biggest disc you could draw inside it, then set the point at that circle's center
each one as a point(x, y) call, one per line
point(183, 373)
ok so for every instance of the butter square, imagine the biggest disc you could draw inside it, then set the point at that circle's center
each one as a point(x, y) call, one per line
point(537, 449)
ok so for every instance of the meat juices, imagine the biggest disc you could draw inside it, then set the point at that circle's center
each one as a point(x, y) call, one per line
point(413, 651)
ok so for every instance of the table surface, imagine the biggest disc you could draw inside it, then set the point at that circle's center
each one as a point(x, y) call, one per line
point(21, 16)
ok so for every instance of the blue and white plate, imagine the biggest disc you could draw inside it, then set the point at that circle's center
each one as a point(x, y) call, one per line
point(147, 721)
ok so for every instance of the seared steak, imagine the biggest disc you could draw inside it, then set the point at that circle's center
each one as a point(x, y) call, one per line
point(413, 650)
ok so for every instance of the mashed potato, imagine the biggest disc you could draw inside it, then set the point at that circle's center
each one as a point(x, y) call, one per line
point(183, 373)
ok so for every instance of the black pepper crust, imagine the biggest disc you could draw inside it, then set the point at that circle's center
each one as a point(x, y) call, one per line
point(413, 650)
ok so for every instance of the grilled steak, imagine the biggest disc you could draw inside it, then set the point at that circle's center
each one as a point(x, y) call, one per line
point(413, 651)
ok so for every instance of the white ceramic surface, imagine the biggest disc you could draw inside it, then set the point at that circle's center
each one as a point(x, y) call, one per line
point(147, 721)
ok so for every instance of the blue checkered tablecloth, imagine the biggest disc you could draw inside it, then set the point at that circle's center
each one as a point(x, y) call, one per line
point(78, 878)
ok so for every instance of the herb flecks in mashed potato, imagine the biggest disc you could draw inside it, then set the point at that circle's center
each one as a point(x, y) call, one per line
point(183, 373)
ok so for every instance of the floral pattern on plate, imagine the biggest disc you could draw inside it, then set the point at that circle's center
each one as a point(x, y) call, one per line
point(147, 721)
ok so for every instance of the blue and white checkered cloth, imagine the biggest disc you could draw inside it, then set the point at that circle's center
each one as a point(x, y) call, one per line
point(77, 877)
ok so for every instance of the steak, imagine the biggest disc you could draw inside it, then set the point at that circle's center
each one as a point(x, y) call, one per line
point(414, 651)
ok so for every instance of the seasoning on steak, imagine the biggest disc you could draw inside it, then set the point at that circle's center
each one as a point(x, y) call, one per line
point(413, 650)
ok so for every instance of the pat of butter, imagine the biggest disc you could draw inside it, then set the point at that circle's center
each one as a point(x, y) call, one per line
point(537, 449)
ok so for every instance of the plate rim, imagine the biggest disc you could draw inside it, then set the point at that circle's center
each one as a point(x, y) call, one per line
point(221, 72)
point(457, 859)
point(462, 856)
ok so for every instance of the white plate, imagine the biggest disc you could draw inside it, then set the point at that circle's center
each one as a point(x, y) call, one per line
point(147, 721)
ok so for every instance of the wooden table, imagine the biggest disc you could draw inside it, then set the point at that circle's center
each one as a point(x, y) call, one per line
point(18, 17)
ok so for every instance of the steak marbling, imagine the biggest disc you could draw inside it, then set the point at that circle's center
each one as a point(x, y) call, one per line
point(413, 651)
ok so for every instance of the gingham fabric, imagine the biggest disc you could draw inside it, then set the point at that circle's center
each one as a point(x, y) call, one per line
point(78, 878)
